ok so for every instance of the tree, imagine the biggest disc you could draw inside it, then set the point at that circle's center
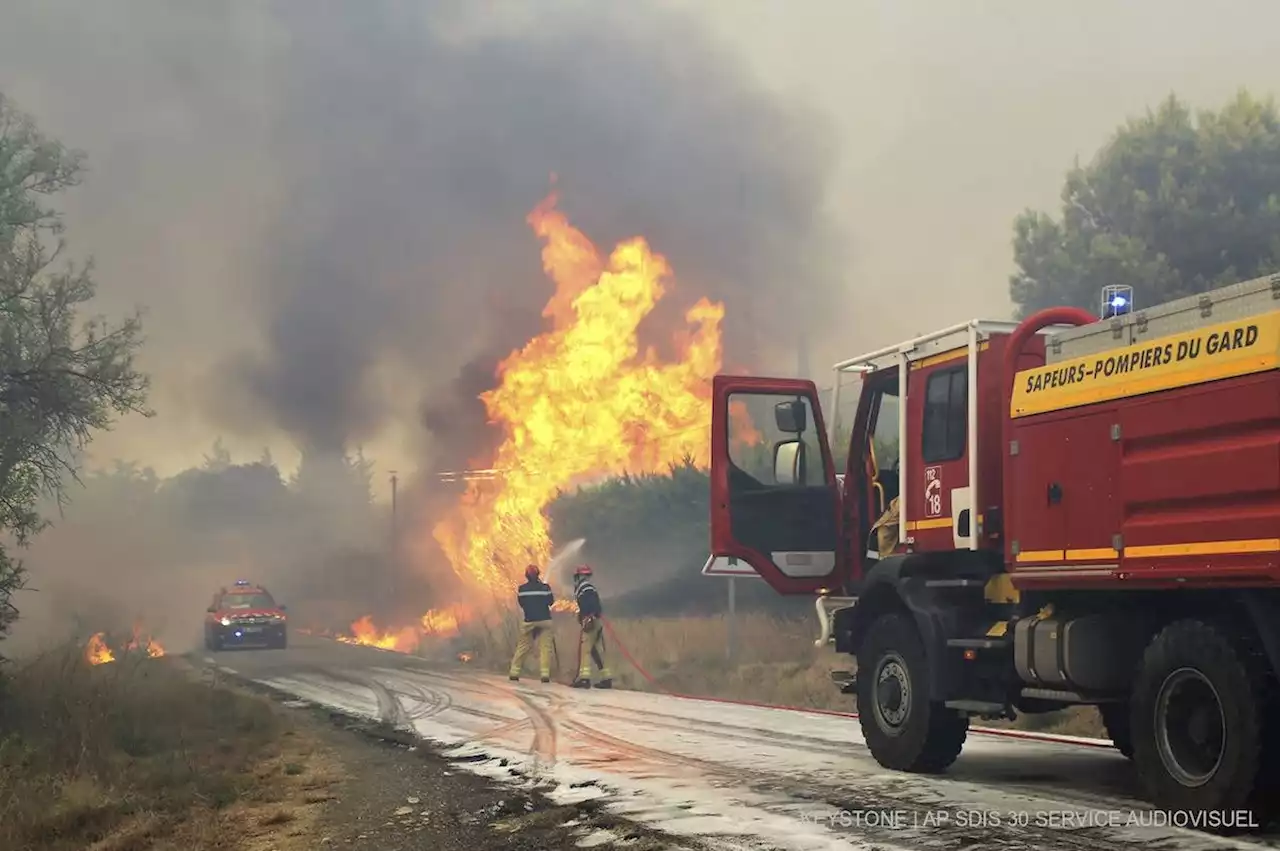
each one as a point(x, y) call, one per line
point(1171, 206)
point(219, 457)
point(62, 376)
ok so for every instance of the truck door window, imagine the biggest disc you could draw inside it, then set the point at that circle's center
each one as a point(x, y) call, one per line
point(884, 445)
point(884, 437)
point(753, 435)
point(945, 415)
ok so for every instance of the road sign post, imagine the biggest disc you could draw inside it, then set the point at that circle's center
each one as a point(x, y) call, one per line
point(734, 569)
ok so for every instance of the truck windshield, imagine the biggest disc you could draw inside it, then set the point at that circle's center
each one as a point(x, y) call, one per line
point(248, 601)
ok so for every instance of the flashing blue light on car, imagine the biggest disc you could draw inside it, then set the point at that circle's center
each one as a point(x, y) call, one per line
point(1119, 301)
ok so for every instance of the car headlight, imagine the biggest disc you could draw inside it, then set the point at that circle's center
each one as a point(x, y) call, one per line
point(226, 621)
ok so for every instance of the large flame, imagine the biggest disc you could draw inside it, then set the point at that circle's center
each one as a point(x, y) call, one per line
point(581, 400)
point(577, 402)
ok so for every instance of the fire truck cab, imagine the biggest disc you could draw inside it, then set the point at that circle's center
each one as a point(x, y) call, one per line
point(1087, 511)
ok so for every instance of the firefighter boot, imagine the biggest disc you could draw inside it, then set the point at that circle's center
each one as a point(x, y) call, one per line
point(605, 684)
point(582, 682)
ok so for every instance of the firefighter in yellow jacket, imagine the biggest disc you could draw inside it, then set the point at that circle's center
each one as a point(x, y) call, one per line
point(535, 599)
point(591, 641)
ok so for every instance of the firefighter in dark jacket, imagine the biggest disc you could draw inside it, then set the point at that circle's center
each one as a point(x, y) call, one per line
point(591, 641)
point(535, 599)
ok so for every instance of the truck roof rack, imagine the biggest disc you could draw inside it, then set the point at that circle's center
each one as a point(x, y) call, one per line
point(924, 345)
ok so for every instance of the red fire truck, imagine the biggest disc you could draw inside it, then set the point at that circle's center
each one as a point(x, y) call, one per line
point(1088, 512)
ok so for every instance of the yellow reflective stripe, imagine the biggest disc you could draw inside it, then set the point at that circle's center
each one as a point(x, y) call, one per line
point(947, 356)
point(1192, 548)
point(1205, 548)
point(933, 523)
point(1091, 555)
point(1041, 555)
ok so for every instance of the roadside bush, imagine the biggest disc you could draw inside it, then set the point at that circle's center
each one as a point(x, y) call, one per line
point(84, 749)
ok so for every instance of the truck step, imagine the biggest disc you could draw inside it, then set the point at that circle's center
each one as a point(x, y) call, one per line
point(1054, 694)
point(1065, 696)
point(846, 680)
point(978, 643)
point(955, 583)
point(980, 707)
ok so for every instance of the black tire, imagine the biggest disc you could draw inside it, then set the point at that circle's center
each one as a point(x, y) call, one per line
point(283, 643)
point(215, 642)
point(1116, 719)
point(926, 737)
point(1194, 676)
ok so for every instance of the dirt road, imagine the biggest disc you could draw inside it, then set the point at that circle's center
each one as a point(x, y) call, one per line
point(729, 776)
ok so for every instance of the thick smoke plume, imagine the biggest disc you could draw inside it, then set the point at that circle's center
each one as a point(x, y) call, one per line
point(323, 206)
point(360, 173)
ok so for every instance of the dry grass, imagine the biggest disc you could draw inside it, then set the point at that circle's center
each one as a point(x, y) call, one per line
point(142, 754)
point(774, 661)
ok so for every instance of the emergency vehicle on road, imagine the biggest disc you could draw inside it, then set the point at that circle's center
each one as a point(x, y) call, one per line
point(245, 615)
point(1088, 513)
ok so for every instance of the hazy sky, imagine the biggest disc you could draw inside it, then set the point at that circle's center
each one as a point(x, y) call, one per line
point(945, 120)
point(955, 116)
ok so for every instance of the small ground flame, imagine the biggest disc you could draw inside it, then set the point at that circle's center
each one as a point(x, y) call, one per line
point(365, 632)
point(96, 652)
point(140, 643)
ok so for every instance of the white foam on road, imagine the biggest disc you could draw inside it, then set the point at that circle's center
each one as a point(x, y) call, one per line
point(753, 777)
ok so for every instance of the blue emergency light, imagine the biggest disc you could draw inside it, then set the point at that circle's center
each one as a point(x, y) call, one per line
point(242, 582)
point(1116, 301)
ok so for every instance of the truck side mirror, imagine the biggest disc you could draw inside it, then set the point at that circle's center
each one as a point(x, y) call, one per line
point(791, 417)
point(212, 610)
point(283, 607)
point(788, 462)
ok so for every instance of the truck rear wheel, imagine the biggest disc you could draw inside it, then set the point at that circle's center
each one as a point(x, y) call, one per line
point(904, 729)
point(1197, 722)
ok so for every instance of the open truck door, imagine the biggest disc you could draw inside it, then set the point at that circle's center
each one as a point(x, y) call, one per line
point(775, 502)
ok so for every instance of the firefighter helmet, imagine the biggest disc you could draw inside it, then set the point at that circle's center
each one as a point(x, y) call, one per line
point(531, 572)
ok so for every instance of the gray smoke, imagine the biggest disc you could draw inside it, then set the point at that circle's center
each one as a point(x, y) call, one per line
point(327, 199)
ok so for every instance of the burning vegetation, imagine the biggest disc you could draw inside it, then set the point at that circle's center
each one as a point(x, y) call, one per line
point(98, 652)
point(578, 402)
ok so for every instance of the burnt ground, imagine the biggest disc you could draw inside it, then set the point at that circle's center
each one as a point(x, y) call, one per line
point(394, 793)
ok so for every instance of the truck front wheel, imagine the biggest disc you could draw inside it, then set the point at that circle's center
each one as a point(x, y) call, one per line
point(904, 729)
point(1198, 721)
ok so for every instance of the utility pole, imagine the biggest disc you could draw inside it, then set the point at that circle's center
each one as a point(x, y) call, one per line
point(394, 518)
